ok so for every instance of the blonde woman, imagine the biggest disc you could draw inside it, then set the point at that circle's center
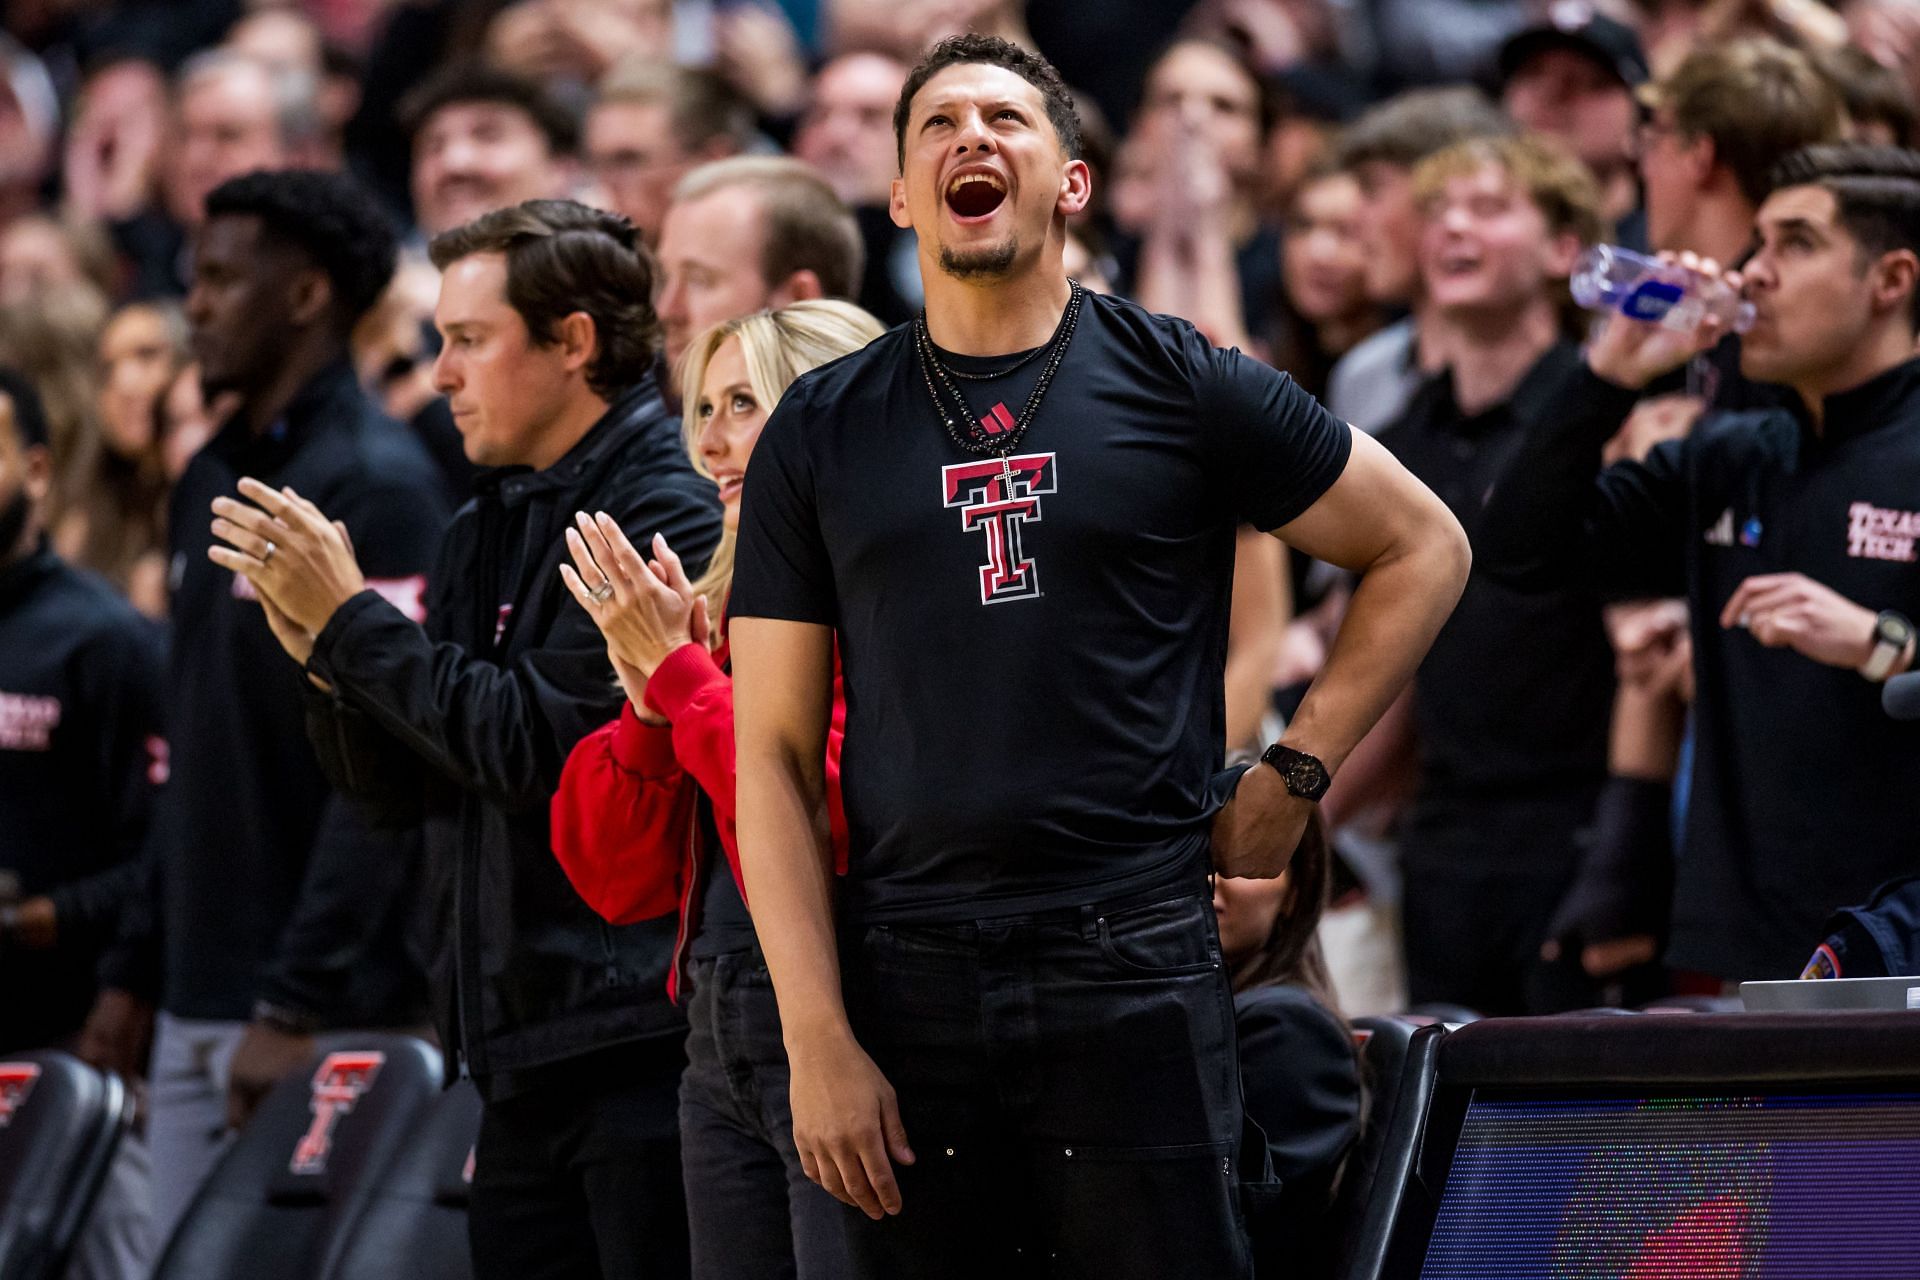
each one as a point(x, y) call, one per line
point(647, 802)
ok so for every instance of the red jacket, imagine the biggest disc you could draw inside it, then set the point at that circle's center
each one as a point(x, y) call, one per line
point(623, 818)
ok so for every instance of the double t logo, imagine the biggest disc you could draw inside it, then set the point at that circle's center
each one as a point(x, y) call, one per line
point(1001, 495)
point(337, 1085)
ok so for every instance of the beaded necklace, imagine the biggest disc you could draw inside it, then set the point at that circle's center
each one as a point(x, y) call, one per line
point(992, 434)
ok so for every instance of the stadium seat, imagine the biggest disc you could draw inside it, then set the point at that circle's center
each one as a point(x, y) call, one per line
point(1399, 1059)
point(285, 1195)
point(412, 1224)
point(60, 1121)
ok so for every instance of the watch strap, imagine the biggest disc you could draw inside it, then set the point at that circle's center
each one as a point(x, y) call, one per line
point(1892, 632)
point(1304, 775)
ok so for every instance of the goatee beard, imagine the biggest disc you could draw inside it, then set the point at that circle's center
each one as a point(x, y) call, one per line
point(994, 260)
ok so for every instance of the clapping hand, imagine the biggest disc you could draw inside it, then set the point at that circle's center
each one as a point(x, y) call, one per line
point(644, 609)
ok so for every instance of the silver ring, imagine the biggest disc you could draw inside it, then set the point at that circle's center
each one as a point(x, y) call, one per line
point(267, 555)
point(600, 594)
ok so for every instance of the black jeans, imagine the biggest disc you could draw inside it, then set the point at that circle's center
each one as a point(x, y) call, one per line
point(1070, 1089)
point(580, 1181)
point(752, 1212)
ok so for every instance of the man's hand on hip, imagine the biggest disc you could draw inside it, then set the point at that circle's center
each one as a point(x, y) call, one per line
point(846, 1124)
point(1256, 832)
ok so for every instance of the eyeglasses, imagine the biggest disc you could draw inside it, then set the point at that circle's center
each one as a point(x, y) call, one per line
point(1650, 130)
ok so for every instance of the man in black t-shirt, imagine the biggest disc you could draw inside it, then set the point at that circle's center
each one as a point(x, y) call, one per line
point(1018, 516)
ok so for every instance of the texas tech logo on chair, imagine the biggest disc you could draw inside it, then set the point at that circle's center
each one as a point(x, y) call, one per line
point(1000, 495)
point(337, 1085)
point(16, 1082)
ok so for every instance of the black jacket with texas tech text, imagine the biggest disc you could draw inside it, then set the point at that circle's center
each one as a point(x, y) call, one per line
point(268, 884)
point(466, 724)
point(80, 759)
point(1802, 796)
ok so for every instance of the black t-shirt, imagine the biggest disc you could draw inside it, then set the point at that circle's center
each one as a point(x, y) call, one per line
point(725, 927)
point(1033, 669)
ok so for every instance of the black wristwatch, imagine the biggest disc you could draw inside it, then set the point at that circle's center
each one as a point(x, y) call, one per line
point(1304, 775)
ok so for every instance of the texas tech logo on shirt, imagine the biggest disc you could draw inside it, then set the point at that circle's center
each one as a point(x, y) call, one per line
point(27, 721)
point(1000, 496)
point(337, 1085)
point(1881, 533)
point(16, 1082)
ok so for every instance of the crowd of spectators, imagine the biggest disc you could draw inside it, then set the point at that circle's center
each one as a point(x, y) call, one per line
point(1384, 198)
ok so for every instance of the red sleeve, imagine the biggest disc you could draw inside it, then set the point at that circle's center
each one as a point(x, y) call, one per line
point(622, 819)
point(691, 690)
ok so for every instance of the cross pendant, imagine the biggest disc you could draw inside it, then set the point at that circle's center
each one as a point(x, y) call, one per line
point(1006, 475)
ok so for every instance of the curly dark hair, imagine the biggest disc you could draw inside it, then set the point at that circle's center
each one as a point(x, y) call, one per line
point(563, 257)
point(330, 218)
point(993, 52)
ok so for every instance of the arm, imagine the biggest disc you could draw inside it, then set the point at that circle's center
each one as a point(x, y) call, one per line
point(502, 732)
point(1549, 523)
point(621, 819)
point(1412, 558)
point(696, 698)
point(846, 1121)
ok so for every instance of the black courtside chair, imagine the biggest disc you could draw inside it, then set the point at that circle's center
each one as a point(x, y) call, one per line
point(1398, 1058)
point(412, 1224)
point(60, 1123)
point(286, 1194)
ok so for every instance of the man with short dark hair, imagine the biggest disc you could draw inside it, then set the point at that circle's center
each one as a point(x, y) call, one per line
point(1793, 535)
point(560, 1018)
point(484, 139)
point(1012, 1045)
point(279, 914)
point(748, 234)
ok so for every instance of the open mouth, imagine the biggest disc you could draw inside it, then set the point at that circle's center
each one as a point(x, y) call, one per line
point(975, 195)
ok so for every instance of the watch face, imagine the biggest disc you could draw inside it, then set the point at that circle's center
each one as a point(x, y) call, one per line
point(1893, 630)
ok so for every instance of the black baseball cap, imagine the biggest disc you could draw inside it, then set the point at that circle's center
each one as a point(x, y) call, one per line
point(1574, 25)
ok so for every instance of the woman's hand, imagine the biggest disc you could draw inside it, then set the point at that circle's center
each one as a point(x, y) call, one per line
point(645, 610)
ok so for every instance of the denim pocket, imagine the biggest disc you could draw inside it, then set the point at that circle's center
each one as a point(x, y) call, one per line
point(1163, 939)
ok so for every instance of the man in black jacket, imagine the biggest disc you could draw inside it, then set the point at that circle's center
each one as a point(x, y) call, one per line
point(559, 1017)
point(1792, 534)
point(80, 754)
point(278, 912)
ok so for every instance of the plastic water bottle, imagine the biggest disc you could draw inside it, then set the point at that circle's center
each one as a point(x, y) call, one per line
point(1609, 278)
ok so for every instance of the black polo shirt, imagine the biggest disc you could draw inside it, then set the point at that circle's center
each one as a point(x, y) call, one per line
point(1032, 665)
point(1802, 797)
point(1516, 692)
